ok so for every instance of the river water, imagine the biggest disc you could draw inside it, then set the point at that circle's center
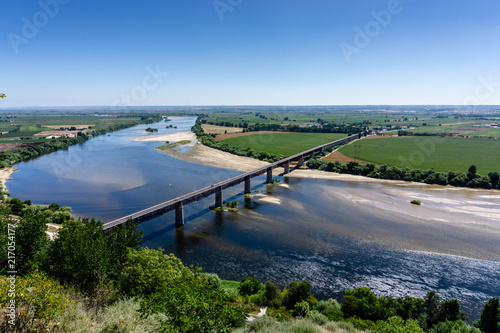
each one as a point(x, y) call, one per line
point(337, 234)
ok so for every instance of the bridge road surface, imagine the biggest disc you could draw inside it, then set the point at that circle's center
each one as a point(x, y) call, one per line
point(178, 203)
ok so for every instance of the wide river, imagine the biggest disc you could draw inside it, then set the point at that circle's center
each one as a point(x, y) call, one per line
point(335, 233)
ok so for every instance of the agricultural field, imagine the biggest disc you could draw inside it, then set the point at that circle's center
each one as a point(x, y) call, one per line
point(438, 153)
point(283, 143)
point(487, 133)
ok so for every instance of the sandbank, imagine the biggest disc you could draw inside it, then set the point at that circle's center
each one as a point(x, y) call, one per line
point(174, 137)
point(213, 157)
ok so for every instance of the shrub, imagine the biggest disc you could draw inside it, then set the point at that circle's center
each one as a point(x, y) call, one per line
point(317, 318)
point(298, 292)
point(214, 279)
point(416, 202)
point(301, 309)
point(38, 299)
point(249, 286)
point(148, 270)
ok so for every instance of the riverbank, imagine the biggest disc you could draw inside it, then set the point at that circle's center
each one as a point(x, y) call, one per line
point(5, 174)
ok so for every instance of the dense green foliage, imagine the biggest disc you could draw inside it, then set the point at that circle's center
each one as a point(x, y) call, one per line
point(472, 180)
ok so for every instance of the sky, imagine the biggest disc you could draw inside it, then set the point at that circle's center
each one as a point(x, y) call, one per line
point(249, 52)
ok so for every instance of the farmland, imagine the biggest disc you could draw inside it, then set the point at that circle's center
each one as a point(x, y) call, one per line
point(440, 154)
point(283, 143)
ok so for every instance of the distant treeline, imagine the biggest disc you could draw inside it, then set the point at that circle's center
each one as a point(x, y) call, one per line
point(9, 158)
point(469, 179)
point(321, 127)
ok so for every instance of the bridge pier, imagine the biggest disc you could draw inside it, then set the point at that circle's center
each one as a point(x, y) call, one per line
point(269, 175)
point(287, 166)
point(218, 197)
point(179, 214)
point(248, 189)
point(300, 162)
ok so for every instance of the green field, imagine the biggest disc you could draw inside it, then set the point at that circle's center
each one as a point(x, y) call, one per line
point(492, 132)
point(441, 154)
point(283, 143)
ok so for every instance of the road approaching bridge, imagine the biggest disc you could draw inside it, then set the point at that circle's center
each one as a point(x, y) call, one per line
point(178, 203)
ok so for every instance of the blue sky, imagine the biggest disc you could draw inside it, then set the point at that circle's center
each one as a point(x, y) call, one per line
point(249, 52)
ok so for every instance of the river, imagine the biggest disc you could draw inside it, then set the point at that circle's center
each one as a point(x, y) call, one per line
point(337, 234)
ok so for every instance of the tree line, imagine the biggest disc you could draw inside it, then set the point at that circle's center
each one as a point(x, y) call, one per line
point(470, 179)
point(324, 127)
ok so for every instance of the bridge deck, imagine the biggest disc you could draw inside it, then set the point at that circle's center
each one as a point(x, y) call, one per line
point(204, 192)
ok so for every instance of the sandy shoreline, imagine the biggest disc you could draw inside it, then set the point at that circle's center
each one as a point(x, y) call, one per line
point(174, 137)
point(5, 174)
point(213, 157)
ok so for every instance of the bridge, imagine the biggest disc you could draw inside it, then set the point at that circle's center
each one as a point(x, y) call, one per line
point(178, 203)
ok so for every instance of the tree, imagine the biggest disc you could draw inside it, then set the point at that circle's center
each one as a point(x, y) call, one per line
point(2, 96)
point(494, 178)
point(147, 271)
point(488, 322)
point(79, 255)
point(119, 240)
point(432, 308)
point(249, 286)
point(298, 292)
point(471, 173)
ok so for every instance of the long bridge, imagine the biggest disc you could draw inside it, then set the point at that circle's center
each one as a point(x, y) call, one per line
point(178, 203)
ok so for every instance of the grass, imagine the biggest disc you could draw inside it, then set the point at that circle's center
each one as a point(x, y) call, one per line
point(440, 154)
point(283, 143)
point(491, 132)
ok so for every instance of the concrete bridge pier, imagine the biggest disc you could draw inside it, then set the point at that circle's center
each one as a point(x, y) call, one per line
point(269, 175)
point(179, 214)
point(300, 162)
point(287, 166)
point(248, 189)
point(218, 197)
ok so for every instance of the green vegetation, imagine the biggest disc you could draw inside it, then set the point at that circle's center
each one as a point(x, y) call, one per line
point(440, 154)
point(151, 130)
point(86, 281)
point(283, 143)
point(416, 202)
point(84, 274)
point(169, 145)
point(471, 179)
